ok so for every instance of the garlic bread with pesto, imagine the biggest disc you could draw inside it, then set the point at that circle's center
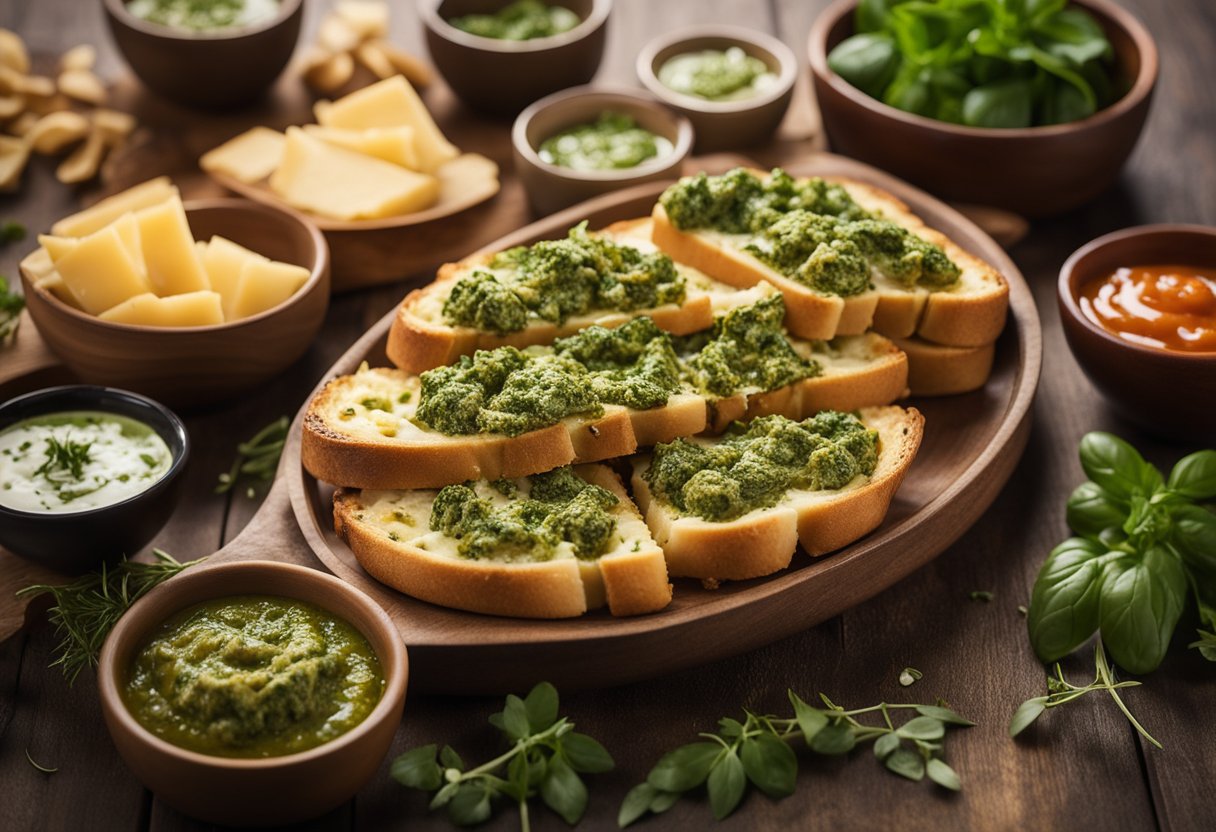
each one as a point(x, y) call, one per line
point(847, 256)
point(737, 506)
point(554, 545)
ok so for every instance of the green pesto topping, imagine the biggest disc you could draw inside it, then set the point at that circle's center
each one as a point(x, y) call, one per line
point(204, 15)
point(521, 20)
point(557, 507)
point(746, 348)
point(555, 279)
point(754, 465)
point(633, 365)
point(614, 141)
point(716, 74)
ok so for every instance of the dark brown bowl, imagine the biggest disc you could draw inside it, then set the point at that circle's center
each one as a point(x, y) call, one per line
point(1167, 392)
point(501, 77)
point(723, 125)
point(203, 364)
point(253, 792)
point(1035, 171)
point(553, 187)
point(209, 70)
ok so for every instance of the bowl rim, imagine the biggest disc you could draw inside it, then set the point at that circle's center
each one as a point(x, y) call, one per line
point(741, 35)
point(434, 22)
point(129, 628)
point(1141, 88)
point(1067, 288)
point(176, 426)
point(118, 10)
point(317, 272)
point(612, 96)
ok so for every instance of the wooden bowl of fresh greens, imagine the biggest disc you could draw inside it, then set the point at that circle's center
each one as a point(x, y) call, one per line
point(1033, 111)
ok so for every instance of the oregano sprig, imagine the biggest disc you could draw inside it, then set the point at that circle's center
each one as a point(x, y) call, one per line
point(757, 751)
point(545, 757)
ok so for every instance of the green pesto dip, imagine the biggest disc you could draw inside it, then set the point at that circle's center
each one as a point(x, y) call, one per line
point(755, 465)
point(521, 20)
point(253, 676)
point(555, 279)
point(527, 524)
point(204, 15)
point(614, 141)
point(717, 75)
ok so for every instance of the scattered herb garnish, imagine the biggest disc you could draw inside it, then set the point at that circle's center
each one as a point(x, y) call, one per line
point(43, 769)
point(1143, 542)
point(11, 232)
point(257, 458)
point(981, 595)
point(1061, 692)
point(86, 609)
point(11, 305)
point(757, 750)
point(67, 457)
point(546, 756)
point(910, 676)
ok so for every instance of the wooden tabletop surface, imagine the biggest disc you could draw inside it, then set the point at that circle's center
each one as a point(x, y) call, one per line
point(1080, 768)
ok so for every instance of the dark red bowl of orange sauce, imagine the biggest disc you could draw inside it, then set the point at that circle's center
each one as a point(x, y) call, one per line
point(1138, 308)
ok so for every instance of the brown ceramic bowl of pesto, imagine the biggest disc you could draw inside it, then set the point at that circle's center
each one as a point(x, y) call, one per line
point(225, 700)
point(504, 69)
point(211, 59)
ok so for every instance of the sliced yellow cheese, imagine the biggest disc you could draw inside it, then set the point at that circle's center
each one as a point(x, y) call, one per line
point(172, 262)
point(56, 247)
point(331, 181)
point(392, 144)
point(248, 158)
point(100, 272)
point(111, 208)
point(224, 260)
point(390, 103)
point(190, 309)
point(127, 227)
point(264, 285)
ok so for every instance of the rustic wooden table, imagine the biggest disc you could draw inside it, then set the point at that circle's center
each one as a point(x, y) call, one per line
point(1083, 768)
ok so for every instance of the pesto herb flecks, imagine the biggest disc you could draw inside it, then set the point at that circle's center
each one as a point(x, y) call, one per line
point(521, 20)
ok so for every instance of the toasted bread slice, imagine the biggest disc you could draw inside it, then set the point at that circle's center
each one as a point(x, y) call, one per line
point(763, 540)
point(969, 313)
point(389, 534)
point(420, 340)
point(936, 370)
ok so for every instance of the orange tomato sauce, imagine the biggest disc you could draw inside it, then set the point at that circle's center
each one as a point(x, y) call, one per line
point(1171, 307)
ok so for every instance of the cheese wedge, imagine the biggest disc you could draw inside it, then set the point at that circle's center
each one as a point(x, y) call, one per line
point(189, 309)
point(392, 144)
point(100, 272)
point(223, 260)
point(249, 157)
point(111, 208)
point(331, 181)
point(172, 262)
point(56, 247)
point(390, 103)
point(264, 285)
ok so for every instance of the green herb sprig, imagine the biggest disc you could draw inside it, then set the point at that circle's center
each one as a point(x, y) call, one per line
point(11, 305)
point(11, 231)
point(1144, 543)
point(757, 750)
point(545, 757)
point(66, 457)
point(257, 458)
point(1061, 692)
point(87, 609)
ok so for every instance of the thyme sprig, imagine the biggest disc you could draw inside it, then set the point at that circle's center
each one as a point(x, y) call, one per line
point(257, 458)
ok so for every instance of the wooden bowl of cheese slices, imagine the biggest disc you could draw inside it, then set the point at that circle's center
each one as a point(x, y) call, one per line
point(189, 303)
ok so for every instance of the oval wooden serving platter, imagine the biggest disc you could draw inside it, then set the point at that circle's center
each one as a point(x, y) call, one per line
point(972, 443)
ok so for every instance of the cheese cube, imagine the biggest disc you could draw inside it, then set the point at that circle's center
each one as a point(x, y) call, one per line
point(392, 144)
point(223, 261)
point(111, 208)
point(390, 103)
point(190, 309)
point(264, 285)
point(168, 246)
point(100, 272)
point(248, 158)
point(335, 182)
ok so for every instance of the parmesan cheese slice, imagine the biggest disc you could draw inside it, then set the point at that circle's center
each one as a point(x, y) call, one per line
point(100, 272)
point(392, 144)
point(95, 218)
point(223, 261)
point(249, 157)
point(172, 261)
point(189, 309)
point(264, 285)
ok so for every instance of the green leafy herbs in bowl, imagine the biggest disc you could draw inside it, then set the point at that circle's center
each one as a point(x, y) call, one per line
point(980, 63)
point(521, 20)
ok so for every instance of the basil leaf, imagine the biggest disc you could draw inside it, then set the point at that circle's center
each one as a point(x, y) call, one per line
point(417, 769)
point(1139, 607)
point(871, 15)
point(1064, 602)
point(837, 738)
point(726, 784)
point(563, 791)
point(867, 61)
point(885, 745)
point(444, 795)
point(1074, 35)
point(1194, 533)
point(664, 801)
point(515, 718)
point(636, 803)
point(541, 707)
point(941, 774)
point(771, 764)
point(1195, 476)
point(1091, 510)
point(1116, 466)
point(1027, 713)
point(585, 754)
point(943, 715)
point(470, 806)
point(1061, 103)
point(1004, 104)
point(922, 728)
point(906, 763)
point(685, 768)
point(810, 720)
point(730, 729)
point(450, 758)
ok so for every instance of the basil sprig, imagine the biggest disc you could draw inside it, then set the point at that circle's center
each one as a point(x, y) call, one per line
point(1143, 542)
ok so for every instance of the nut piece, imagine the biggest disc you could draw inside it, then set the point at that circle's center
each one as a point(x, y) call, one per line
point(82, 85)
point(83, 56)
point(14, 153)
point(84, 162)
point(372, 57)
point(56, 131)
point(331, 72)
point(13, 53)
